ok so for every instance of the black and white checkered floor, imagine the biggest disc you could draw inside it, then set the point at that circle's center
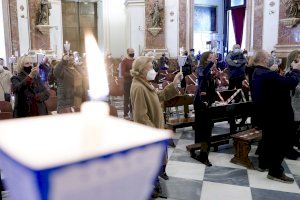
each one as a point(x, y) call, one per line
point(191, 180)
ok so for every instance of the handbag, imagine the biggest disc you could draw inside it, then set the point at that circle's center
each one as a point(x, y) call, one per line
point(6, 95)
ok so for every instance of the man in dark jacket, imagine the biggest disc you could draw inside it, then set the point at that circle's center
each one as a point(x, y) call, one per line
point(126, 66)
point(30, 92)
point(236, 62)
point(274, 114)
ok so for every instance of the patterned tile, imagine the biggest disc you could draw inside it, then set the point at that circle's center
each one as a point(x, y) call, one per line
point(259, 180)
point(224, 180)
point(294, 166)
point(223, 160)
point(188, 135)
point(284, 165)
point(261, 194)
point(218, 191)
point(186, 170)
point(183, 156)
point(182, 189)
point(181, 144)
point(297, 179)
point(232, 176)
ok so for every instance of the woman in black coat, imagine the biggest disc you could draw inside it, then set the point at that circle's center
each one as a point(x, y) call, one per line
point(205, 95)
point(30, 93)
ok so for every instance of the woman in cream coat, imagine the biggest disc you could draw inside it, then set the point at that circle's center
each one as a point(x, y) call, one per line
point(146, 100)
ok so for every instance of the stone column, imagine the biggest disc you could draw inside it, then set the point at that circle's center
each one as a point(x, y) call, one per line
point(258, 24)
point(14, 28)
point(248, 19)
point(38, 40)
point(288, 38)
point(182, 23)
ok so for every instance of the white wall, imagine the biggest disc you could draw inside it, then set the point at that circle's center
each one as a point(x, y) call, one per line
point(172, 28)
point(23, 24)
point(2, 36)
point(135, 27)
point(203, 37)
point(271, 23)
point(56, 33)
point(116, 27)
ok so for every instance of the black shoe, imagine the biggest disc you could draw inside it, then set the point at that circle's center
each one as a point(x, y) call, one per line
point(157, 192)
point(206, 162)
point(261, 169)
point(283, 178)
point(203, 158)
point(164, 176)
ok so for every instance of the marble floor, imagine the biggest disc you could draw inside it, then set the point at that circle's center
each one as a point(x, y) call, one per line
point(191, 180)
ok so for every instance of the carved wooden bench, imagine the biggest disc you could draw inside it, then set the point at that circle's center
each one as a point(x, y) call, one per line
point(242, 146)
point(186, 121)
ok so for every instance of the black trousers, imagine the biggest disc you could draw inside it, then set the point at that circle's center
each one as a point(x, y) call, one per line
point(273, 148)
point(236, 83)
point(127, 102)
point(203, 123)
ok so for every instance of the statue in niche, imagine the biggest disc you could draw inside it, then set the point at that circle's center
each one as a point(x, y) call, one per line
point(44, 12)
point(292, 7)
point(155, 13)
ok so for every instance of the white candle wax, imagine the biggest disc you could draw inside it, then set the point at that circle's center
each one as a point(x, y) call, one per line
point(94, 116)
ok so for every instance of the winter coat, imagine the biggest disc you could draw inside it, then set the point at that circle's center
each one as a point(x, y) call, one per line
point(5, 85)
point(30, 96)
point(146, 102)
point(296, 103)
point(236, 64)
point(203, 121)
point(71, 86)
point(271, 97)
point(205, 84)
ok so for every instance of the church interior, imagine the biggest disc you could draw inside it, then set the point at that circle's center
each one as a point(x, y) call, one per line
point(150, 99)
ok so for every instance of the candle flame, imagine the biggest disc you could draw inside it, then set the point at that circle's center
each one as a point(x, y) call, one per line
point(98, 84)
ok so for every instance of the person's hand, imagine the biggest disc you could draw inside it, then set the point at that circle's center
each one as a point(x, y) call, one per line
point(214, 59)
point(274, 68)
point(245, 83)
point(178, 78)
point(33, 72)
point(66, 57)
point(295, 65)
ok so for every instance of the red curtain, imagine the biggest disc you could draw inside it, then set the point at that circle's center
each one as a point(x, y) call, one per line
point(238, 16)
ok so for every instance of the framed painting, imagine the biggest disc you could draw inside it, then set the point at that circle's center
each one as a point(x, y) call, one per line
point(205, 18)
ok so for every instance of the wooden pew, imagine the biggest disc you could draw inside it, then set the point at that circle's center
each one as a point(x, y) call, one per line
point(242, 146)
point(185, 101)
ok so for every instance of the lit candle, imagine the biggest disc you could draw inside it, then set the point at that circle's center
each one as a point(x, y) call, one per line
point(96, 70)
point(95, 112)
point(67, 47)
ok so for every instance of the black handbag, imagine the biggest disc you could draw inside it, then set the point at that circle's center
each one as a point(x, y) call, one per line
point(7, 97)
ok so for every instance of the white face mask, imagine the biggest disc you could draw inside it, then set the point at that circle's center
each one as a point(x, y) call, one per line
point(236, 50)
point(151, 75)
